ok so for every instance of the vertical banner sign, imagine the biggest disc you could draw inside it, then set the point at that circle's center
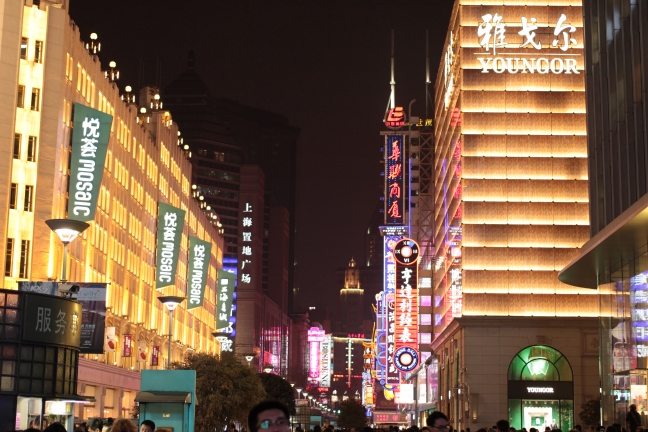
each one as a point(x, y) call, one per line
point(169, 234)
point(381, 340)
point(391, 373)
point(89, 145)
point(639, 308)
point(111, 340)
point(325, 364)
point(199, 254)
point(226, 281)
point(128, 345)
point(92, 297)
point(394, 180)
point(155, 355)
point(141, 350)
point(406, 356)
point(315, 337)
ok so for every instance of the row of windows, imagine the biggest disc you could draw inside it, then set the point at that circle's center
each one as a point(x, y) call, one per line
point(38, 50)
point(23, 268)
point(32, 142)
point(35, 98)
point(28, 201)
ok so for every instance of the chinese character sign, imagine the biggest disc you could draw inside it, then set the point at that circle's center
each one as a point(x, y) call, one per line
point(92, 297)
point(390, 262)
point(525, 45)
point(89, 145)
point(315, 338)
point(639, 305)
point(394, 179)
point(52, 320)
point(128, 345)
point(169, 234)
point(155, 355)
point(391, 374)
point(248, 240)
point(406, 306)
point(226, 282)
point(199, 255)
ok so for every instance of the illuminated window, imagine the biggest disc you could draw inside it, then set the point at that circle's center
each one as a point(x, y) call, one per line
point(219, 156)
point(23, 48)
point(21, 97)
point(35, 99)
point(426, 319)
point(24, 259)
point(32, 142)
point(426, 338)
point(426, 300)
point(16, 146)
point(38, 52)
point(13, 196)
point(9, 256)
point(29, 198)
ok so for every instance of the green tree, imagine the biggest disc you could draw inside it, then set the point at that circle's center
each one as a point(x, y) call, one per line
point(591, 414)
point(278, 389)
point(226, 390)
point(352, 415)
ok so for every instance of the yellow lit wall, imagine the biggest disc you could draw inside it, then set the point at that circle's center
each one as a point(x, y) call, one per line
point(521, 189)
point(144, 165)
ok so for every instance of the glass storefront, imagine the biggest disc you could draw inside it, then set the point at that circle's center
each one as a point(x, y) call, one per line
point(540, 389)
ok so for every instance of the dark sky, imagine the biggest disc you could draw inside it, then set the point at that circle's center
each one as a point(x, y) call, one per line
point(323, 64)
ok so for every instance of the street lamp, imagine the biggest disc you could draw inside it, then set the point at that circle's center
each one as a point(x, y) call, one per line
point(268, 368)
point(299, 390)
point(67, 230)
point(171, 302)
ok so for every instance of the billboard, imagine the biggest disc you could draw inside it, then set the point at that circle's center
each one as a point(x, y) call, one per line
point(315, 337)
point(169, 234)
point(325, 361)
point(92, 297)
point(199, 255)
point(406, 254)
point(89, 145)
point(394, 180)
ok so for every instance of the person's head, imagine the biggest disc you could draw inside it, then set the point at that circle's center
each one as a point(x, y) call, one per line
point(633, 407)
point(317, 428)
point(123, 425)
point(640, 428)
point(55, 427)
point(511, 429)
point(95, 424)
point(31, 429)
point(503, 426)
point(438, 422)
point(147, 426)
point(269, 416)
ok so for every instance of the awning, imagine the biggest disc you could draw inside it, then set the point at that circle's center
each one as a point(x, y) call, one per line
point(618, 243)
point(162, 396)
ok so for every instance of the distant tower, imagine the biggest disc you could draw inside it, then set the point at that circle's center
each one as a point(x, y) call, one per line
point(351, 297)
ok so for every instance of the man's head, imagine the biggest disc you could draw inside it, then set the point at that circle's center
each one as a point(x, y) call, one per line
point(438, 422)
point(503, 426)
point(269, 416)
point(147, 426)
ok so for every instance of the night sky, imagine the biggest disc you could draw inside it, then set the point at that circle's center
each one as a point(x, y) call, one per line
point(325, 65)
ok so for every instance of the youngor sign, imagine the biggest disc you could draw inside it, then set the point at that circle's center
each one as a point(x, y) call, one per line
point(199, 255)
point(516, 45)
point(89, 145)
point(169, 234)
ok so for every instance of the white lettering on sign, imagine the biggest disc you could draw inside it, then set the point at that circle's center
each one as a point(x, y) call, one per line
point(540, 389)
point(168, 246)
point(85, 174)
point(492, 37)
point(448, 71)
point(197, 274)
point(246, 277)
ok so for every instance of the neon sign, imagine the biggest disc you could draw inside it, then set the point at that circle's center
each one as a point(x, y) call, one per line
point(315, 337)
point(406, 305)
point(492, 34)
point(325, 364)
point(394, 180)
point(395, 117)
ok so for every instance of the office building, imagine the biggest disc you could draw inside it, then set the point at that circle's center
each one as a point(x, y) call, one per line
point(614, 261)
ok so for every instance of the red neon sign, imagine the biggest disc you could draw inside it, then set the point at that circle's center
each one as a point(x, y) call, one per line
point(395, 117)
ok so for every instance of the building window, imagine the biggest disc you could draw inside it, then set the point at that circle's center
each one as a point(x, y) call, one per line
point(35, 99)
point(38, 52)
point(16, 148)
point(426, 300)
point(29, 198)
point(9, 257)
point(13, 196)
point(31, 148)
point(24, 259)
point(426, 338)
point(23, 48)
point(21, 97)
point(426, 319)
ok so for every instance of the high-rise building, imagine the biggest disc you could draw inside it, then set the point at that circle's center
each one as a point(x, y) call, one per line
point(511, 207)
point(46, 70)
point(223, 135)
point(613, 261)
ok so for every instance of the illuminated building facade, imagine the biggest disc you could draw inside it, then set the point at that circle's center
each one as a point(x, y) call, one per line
point(511, 209)
point(47, 69)
point(614, 260)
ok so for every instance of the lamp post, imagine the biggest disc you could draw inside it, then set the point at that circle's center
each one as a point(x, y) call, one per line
point(171, 302)
point(299, 390)
point(268, 368)
point(67, 230)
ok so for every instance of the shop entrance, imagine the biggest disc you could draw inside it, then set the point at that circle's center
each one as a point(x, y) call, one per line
point(540, 389)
